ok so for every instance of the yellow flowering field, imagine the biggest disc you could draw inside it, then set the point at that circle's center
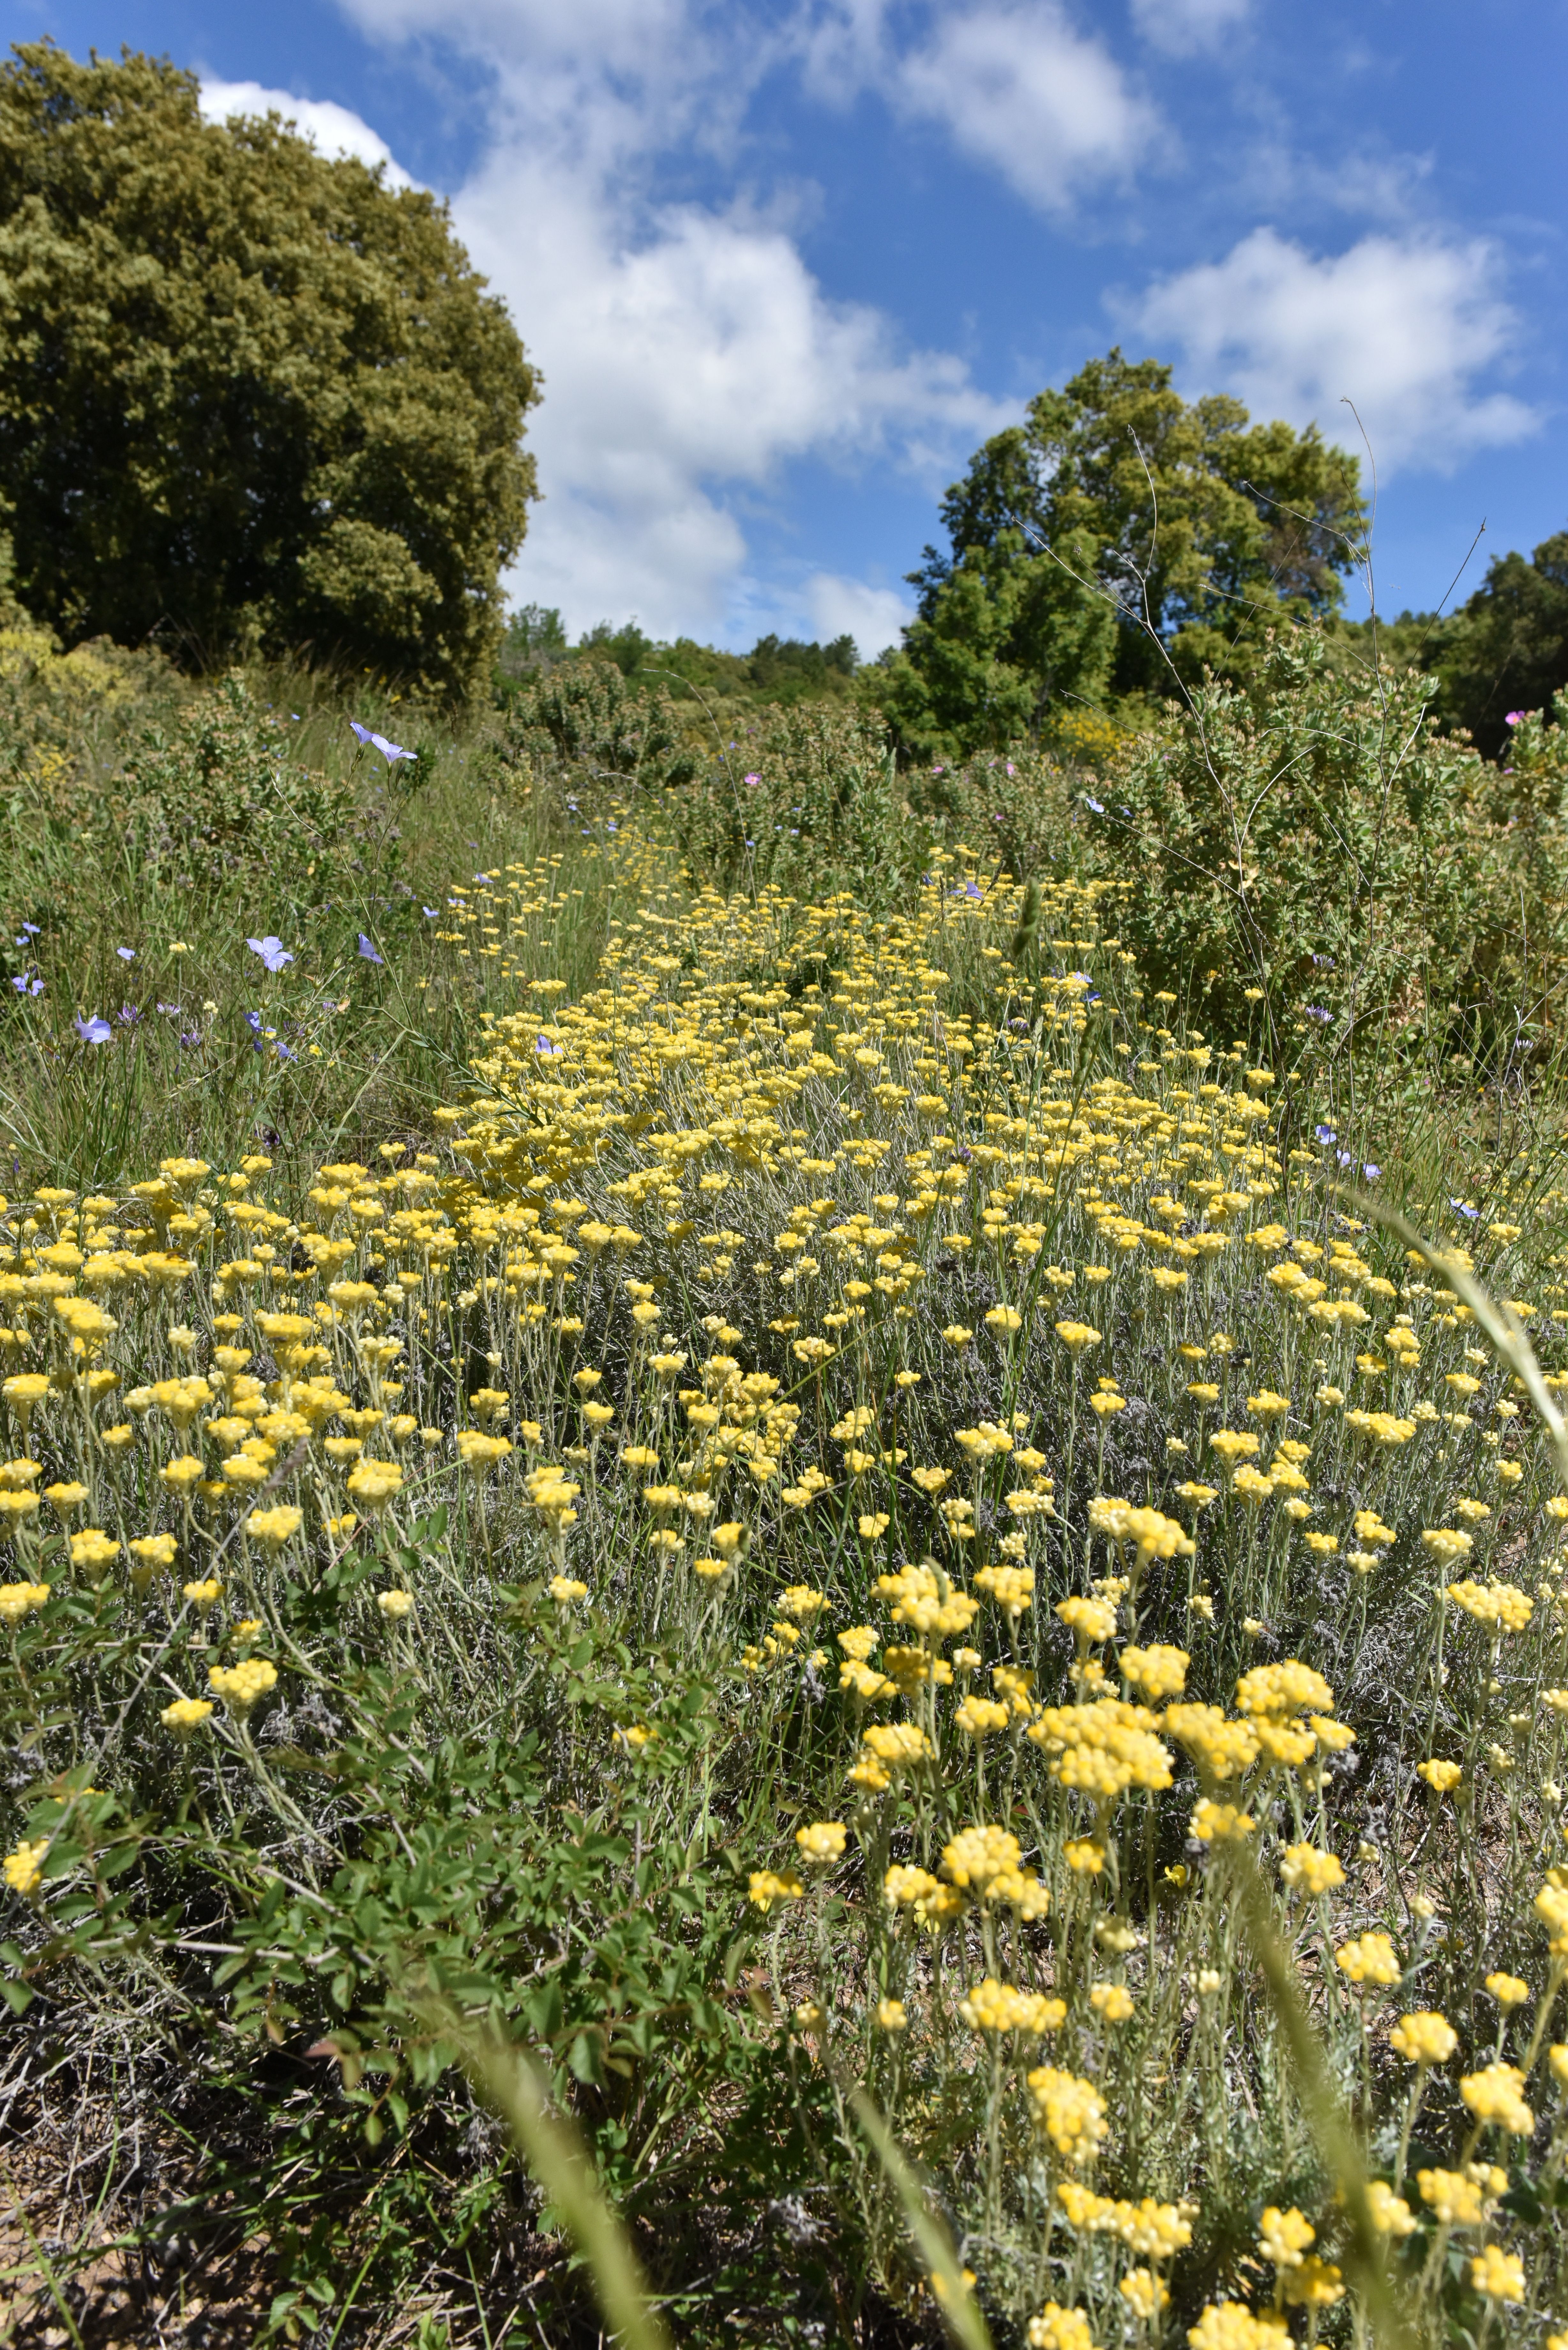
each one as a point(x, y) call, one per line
point(866, 1549)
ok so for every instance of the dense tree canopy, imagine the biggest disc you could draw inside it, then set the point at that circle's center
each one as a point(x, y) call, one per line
point(1118, 540)
point(246, 394)
point(1507, 648)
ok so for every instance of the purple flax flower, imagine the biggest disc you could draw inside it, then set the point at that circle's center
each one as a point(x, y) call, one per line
point(1371, 1172)
point(549, 1051)
point(431, 913)
point(253, 1022)
point(390, 752)
point(1325, 1134)
point(1470, 1212)
point(1098, 805)
point(126, 954)
point(28, 983)
point(93, 1031)
point(369, 951)
point(29, 930)
point(1347, 1158)
point(273, 951)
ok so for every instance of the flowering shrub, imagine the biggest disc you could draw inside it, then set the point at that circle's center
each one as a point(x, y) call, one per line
point(860, 1517)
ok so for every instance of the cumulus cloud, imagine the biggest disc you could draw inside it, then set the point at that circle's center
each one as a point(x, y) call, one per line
point(875, 616)
point(1183, 28)
point(684, 359)
point(1021, 90)
point(334, 129)
point(1404, 326)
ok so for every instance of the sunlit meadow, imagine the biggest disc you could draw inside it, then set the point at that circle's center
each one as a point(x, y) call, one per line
point(851, 1511)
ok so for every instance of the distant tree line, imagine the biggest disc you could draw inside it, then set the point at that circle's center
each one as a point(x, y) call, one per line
point(252, 400)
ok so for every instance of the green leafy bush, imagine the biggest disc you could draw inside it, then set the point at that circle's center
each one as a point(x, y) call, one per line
point(1314, 842)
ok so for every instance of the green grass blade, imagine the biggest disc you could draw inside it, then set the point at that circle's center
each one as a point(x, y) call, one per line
point(554, 2153)
point(961, 2311)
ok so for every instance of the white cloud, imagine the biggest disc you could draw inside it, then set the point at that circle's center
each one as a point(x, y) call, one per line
point(1183, 28)
point(1021, 91)
point(875, 616)
point(335, 129)
point(685, 359)
point(1403, 325)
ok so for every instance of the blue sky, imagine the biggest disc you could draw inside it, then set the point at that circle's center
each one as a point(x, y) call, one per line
point(785, 263)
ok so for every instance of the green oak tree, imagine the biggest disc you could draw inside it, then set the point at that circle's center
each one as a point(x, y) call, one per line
point(248, 396)
point(1121, 540)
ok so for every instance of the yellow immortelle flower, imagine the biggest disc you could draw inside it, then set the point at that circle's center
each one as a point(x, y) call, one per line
point(1447, 1545)
point(92, 1547)
point(1267, 1405)
point(1231, 2326)
point(373, 1484)
point(1552, 1909)
point(766, 1886)
point(1425, 2038)
point(15, 1507)
point(1501, 1605)
point(1214, 1823)
point(1456, 2199)
point(182, 1473)
point(64, 1497)
point(1391, 2215)
point(203, 1593)
point(186, 1715)
point(1056, 2328)
point(1494, 2095)
point(1233, 1445)
point(1507, 1989)
point(1440, 1776)
point(1069, 2111)
point(19, 1599)
point(976, 1855)
point(565, 1590)
point(1305, 1870)
point(273, 1528)
point(891, 2015)
point(1284, 2236)
point(1315, 2285)
point(1498, 2275)
point(1107, 1403)
point(1112, 2003)
point(1158, 1671)
point(24, 1868)
point(897, 1745)
point(1370, 1959)
point(1154, 1534)
point(241, 1685)
point(996, 2007)
point(1271, 1693)
point(395, 1605)
point(1012, 1587)
point(1084, 1855)
point(1090, 1620)
point(241, 1470)
point(1076, 1336)
point(822, 1843)
point(1144, 2294)
point(154, 1550)
point(979, 1717)
point(475, 1449)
